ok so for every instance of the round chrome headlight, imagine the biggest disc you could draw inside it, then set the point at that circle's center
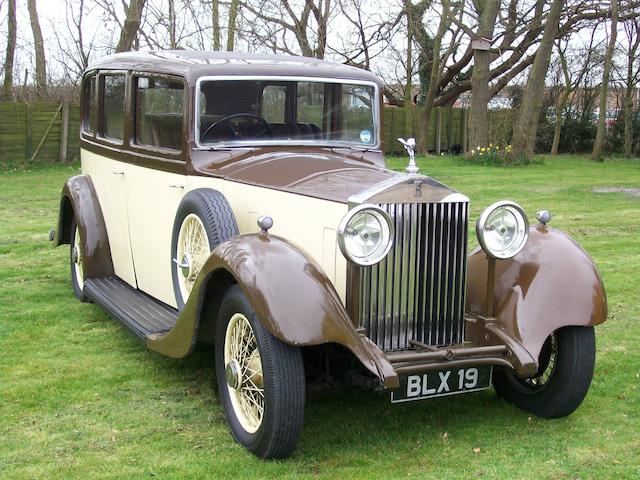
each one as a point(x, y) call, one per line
point(503, 229)
point(365, 234)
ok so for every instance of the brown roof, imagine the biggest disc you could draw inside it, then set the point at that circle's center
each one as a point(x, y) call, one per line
point(194, 64)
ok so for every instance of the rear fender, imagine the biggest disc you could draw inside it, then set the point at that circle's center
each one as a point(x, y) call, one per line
point(552, 283)
point(291, 295)
point(78, 199)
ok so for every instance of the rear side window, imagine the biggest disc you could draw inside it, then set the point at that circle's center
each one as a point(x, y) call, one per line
point(89, 113)
point(113, 106)
point(159, 112)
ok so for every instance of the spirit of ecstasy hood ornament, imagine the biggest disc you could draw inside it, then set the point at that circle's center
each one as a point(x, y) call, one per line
point(410, 145)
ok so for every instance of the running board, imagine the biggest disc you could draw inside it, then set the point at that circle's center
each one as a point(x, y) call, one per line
point(143, 315)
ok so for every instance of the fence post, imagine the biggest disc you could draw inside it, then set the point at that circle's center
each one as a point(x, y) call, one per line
point(438, 130)
point(465, 146)
point(64, 133)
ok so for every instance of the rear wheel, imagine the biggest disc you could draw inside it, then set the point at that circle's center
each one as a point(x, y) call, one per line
point(76, 262)
point(261, 380)
point(565, 370)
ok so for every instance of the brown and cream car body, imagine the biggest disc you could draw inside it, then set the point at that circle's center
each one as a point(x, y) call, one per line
point(279, 186)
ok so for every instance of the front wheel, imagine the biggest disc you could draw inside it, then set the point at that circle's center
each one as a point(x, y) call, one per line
point(565, 370)
point(261, 380)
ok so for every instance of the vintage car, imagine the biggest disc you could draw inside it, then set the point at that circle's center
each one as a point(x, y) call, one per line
point(242, 201)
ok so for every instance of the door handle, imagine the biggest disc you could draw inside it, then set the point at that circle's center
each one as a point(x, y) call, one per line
point(175, 185)
point(118, 172)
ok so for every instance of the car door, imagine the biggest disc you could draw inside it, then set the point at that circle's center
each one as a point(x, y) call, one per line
point(109, 171)
point(156, 178)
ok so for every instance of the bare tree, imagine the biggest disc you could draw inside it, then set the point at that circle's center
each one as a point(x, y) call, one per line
point(7, 88)
point(479, 114)
point(596, 154)
point(41, 63)
point(526, 126)
point(273, 22)
point(632, 77)
point(74, 47)
point(572, 81)
point(425, 117)
point(231, 25)
point(215, 24)
point(129, 30)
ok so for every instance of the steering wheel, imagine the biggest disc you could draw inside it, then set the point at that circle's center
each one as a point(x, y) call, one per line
point(236, 133)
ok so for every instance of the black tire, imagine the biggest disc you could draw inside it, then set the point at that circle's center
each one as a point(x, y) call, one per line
point(75, 283)
point(567, 362)
point(217, 217)
point(283, 383)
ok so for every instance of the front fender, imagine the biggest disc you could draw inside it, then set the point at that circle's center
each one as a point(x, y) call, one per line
point(79, 199)
point(291, 295)
point(551, 283)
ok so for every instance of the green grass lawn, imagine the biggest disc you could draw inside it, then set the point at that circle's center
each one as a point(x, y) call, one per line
point(80, 398)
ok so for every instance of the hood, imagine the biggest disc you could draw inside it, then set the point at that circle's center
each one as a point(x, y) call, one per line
point(350, 176)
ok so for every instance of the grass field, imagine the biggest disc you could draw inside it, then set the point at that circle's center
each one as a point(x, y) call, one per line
point(80, 398)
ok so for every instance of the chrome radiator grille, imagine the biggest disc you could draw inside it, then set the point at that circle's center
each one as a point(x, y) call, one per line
point(418, 291)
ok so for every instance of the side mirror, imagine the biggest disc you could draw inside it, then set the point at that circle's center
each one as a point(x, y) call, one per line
point(410, 145)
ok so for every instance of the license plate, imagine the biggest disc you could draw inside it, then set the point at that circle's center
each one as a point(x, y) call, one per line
point(442, 383)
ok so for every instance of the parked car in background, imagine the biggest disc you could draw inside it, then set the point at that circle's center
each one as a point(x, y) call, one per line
point(242, 201)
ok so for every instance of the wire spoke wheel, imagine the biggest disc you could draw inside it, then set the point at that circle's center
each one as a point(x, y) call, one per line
point(244, 373)
point(192, 252)
point(547, 364)
point(76, 258)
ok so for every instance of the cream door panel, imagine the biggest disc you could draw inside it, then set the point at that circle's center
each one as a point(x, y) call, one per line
point(154, 197)
point(110, 181)
point(300, 219)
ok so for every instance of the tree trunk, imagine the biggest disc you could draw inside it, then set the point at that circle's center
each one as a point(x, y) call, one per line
point(41, 63)
point(172, 25)
point(479, 122)
point(131, 26)
point(434, 79)
point(231, 30)
point(561, 105)
point(596, 154)
point(628, 122)
point(408, 89)
point(526, 126)
point(215, 23)
point(7, 88)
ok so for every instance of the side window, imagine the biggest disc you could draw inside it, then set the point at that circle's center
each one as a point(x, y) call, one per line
point(89, 112)
point(113, 90)
point(159, 112)
point(273, 103)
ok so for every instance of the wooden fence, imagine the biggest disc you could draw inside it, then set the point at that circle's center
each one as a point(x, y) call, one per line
point(42, 132)
point(448, 128)
point(49, 132)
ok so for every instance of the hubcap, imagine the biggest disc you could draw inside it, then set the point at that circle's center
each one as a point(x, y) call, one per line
point(233, 374)
point(185, 266)
point(243, 371)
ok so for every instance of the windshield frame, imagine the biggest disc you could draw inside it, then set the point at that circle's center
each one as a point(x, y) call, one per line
point(306, 142)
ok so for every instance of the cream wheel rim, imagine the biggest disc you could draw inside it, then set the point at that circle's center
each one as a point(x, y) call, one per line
point(191, 253)
point(76, 258)
point(243, 369)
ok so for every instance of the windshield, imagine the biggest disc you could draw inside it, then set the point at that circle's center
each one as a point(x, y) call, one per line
point(280, 111)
